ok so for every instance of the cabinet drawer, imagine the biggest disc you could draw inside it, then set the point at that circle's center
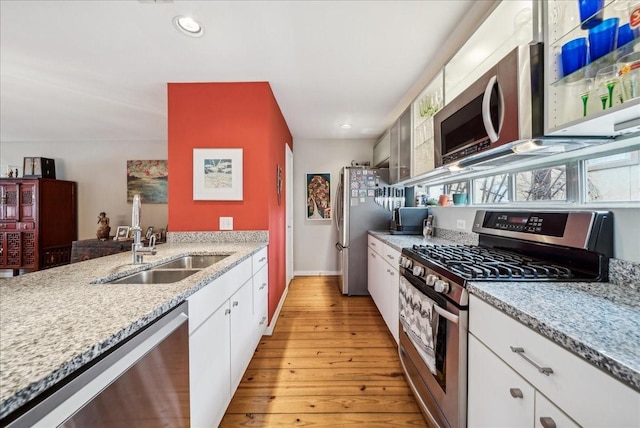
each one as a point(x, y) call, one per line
point(391, 255)
point(577, 387)
point(259, 259)
point(375, 244)
point(205, 301)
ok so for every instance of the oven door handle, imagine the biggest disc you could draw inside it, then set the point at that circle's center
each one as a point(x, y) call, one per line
point(446, 314)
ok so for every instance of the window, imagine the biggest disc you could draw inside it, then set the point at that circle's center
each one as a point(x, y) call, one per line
point(613, 178)
point(547, 184)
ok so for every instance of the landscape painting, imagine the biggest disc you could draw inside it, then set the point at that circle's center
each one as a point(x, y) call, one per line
point(217, 174)
point(149, 179)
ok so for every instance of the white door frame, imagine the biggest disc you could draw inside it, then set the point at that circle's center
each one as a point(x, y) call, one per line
point(288, 180)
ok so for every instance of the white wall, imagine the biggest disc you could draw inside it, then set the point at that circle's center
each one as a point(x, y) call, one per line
point(314, 240)
point(100, 170)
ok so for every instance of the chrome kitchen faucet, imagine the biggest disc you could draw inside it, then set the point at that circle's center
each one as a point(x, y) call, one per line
point(138, 250)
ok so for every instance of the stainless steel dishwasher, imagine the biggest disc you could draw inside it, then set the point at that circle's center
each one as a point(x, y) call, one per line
point(142, 383)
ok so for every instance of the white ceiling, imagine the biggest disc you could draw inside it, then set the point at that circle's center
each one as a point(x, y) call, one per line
point(93, 70)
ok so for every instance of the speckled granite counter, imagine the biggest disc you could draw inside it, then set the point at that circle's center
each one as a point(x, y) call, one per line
point(599, 322)
point(53, 322)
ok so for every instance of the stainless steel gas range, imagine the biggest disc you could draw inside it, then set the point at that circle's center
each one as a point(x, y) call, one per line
point(512, 246)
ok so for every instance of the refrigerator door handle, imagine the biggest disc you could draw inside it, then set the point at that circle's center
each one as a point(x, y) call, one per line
point(341, 247)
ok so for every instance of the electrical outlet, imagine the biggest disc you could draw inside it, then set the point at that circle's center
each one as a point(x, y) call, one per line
point(226, 223)
point(461, 224)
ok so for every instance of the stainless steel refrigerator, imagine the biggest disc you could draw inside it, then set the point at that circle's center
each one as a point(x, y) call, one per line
point(356, 213)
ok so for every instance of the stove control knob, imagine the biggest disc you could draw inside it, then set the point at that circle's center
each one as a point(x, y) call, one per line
point(431, 279)
point(406, 262)
point(418, 270)
point(441, 286)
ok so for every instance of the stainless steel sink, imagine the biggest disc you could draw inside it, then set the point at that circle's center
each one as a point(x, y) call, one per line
point(156, 276)
point(193, 262)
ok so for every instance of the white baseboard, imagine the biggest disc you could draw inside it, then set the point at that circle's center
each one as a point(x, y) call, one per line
point(315, 273)
point(269, 330)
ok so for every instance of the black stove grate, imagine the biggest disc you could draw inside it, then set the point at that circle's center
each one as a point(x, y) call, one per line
point(480, 263)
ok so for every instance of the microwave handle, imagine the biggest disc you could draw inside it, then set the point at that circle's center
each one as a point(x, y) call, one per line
point(486, 112)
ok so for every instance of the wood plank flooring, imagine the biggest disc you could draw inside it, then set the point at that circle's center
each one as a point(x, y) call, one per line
point(331, 362)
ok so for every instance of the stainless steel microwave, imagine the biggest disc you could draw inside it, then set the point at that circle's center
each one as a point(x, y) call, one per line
point(503, 106)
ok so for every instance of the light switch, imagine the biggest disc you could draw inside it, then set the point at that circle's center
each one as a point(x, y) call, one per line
point(226, 223)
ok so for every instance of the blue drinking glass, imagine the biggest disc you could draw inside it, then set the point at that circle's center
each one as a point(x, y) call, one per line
point(625, 35)
point(574, 55)
point(603, 38)
point(590, 13)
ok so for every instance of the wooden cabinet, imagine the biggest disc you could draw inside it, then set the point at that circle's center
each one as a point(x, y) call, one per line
point(38, 223)
point(384, 282)
point(224, 330)
point(575, 389)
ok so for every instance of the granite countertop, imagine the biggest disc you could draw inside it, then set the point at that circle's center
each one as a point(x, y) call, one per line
point(598, 321)
point(54, 321)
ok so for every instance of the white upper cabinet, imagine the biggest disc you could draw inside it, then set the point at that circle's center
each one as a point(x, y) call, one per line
point(585, 103)
point(430, 100)
point(511, 24)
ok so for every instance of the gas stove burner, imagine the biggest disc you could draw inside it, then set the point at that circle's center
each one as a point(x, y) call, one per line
point(479, 263)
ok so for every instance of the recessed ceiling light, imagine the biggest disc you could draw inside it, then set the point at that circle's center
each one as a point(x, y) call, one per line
point(188, 26)
point(345, 126)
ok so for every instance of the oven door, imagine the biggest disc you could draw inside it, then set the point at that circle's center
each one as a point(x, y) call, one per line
point(441, 393)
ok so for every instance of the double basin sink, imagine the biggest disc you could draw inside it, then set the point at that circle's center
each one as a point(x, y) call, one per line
point(171, 271)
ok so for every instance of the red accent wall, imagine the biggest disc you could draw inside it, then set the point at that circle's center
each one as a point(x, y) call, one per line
point(230, 115)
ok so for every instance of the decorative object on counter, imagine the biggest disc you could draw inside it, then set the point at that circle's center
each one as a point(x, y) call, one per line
point(574, 55)
point(460, 199)
point(104, 228)
point(147, 178)
point(122, 233)
point(9, 171)
point(444, 200)
point(590, 13)
point(319, 194)
point(39, 168)
point(427, 229)
point(603, 38)
point(217, 174)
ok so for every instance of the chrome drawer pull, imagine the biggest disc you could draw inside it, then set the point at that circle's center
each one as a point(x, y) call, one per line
point(516, 393)
point(547, 422)
point(520, 351)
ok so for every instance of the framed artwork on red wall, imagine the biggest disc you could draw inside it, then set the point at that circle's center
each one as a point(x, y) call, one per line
point(217, 174)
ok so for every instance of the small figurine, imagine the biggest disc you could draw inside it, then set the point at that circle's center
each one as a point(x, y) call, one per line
point(104, 228)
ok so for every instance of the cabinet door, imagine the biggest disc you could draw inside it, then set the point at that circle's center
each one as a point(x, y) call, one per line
point(394, 153)
point(242, 332)
point(8, 201)
point(260, 302)
point(374, 277)
point(209, 369)
point(405, 148)
point(548, 415)
point(497, 395)
point(391, 295)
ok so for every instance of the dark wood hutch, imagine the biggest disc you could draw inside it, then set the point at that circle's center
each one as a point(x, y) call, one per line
point(38, 222)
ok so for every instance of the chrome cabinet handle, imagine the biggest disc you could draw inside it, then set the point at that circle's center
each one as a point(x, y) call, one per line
point(516, 393)
point(391, 272)
point(263, 320)
point(264, 284)
point(227, 311)
point(391, 257)
point(234, 304)
point(520, 351)
point(547, 422)
point(262, 259)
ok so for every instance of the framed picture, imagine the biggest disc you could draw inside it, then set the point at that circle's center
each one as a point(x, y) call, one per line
point(318, 196)
point(122, 233)
point(217, 174)
point(149, 179)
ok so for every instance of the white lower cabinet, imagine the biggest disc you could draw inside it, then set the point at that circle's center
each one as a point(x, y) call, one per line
point(209, 369)
point(384, 282)
point(565, 389)
point(223, 334)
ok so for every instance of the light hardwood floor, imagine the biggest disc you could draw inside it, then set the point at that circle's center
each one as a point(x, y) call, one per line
point(331, 362)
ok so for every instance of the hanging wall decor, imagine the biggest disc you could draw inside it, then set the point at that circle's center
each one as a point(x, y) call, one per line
point(319, 196)
point(149, 179)
point(217, 174)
